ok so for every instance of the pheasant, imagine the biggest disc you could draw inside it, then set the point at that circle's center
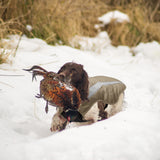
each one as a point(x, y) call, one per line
point(56, 92)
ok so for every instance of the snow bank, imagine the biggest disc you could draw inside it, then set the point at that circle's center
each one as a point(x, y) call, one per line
point(118, 16)
point(102, 40)
point(147, 50)
point(131, 134)
point(95, 44)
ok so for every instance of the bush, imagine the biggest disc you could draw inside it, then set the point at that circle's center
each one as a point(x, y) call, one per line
point(144, 25)
point(60, 20)
point(52, 20)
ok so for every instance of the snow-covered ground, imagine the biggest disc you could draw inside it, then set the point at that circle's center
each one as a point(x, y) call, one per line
point(133, 134)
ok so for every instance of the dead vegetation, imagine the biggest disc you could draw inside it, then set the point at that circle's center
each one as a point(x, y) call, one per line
point(144, 26)
point(59, 20)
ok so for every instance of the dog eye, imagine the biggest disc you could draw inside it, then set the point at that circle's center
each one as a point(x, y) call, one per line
point(73, 70)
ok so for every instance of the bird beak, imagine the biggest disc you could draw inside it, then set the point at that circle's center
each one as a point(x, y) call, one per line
point(68, 118)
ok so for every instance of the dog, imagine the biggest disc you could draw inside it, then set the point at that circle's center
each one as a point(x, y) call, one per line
point(104, 100)
point(108, 93)
point(77, 76)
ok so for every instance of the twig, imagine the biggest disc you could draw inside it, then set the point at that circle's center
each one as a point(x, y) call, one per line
point(14, 54)
point(35, 110)
point(7, 84)
point(154, 11)
point(11, 75)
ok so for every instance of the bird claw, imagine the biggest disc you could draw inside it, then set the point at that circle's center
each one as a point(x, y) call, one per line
point(38, 96)
point(46, 108)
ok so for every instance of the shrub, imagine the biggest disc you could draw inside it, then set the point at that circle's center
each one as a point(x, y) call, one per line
point(60, 20)
point(144, 25)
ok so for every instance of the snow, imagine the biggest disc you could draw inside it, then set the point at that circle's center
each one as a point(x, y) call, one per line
point(147, 50)
point(116, 15)
point(29, 28)
point(131, 134)
point(90, 44)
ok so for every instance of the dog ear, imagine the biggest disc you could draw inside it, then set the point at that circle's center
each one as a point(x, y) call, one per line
point(83, 86)
point(60, 70)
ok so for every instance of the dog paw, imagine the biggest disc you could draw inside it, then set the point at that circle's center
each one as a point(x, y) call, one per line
point(58, 123)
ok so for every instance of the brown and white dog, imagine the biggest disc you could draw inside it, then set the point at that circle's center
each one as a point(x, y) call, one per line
point(107, 92)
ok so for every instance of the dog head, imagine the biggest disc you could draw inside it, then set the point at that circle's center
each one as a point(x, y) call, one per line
point(75, 74)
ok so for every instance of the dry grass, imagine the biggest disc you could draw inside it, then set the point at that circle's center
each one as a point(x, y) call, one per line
point(4, 31)
point(64, 19)
point(144, 25)
point(3, 57)
point(53, 20)
point(60, 20)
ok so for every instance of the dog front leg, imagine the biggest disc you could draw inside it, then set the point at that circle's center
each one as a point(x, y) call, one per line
point(102, 113)
point(58, 122)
